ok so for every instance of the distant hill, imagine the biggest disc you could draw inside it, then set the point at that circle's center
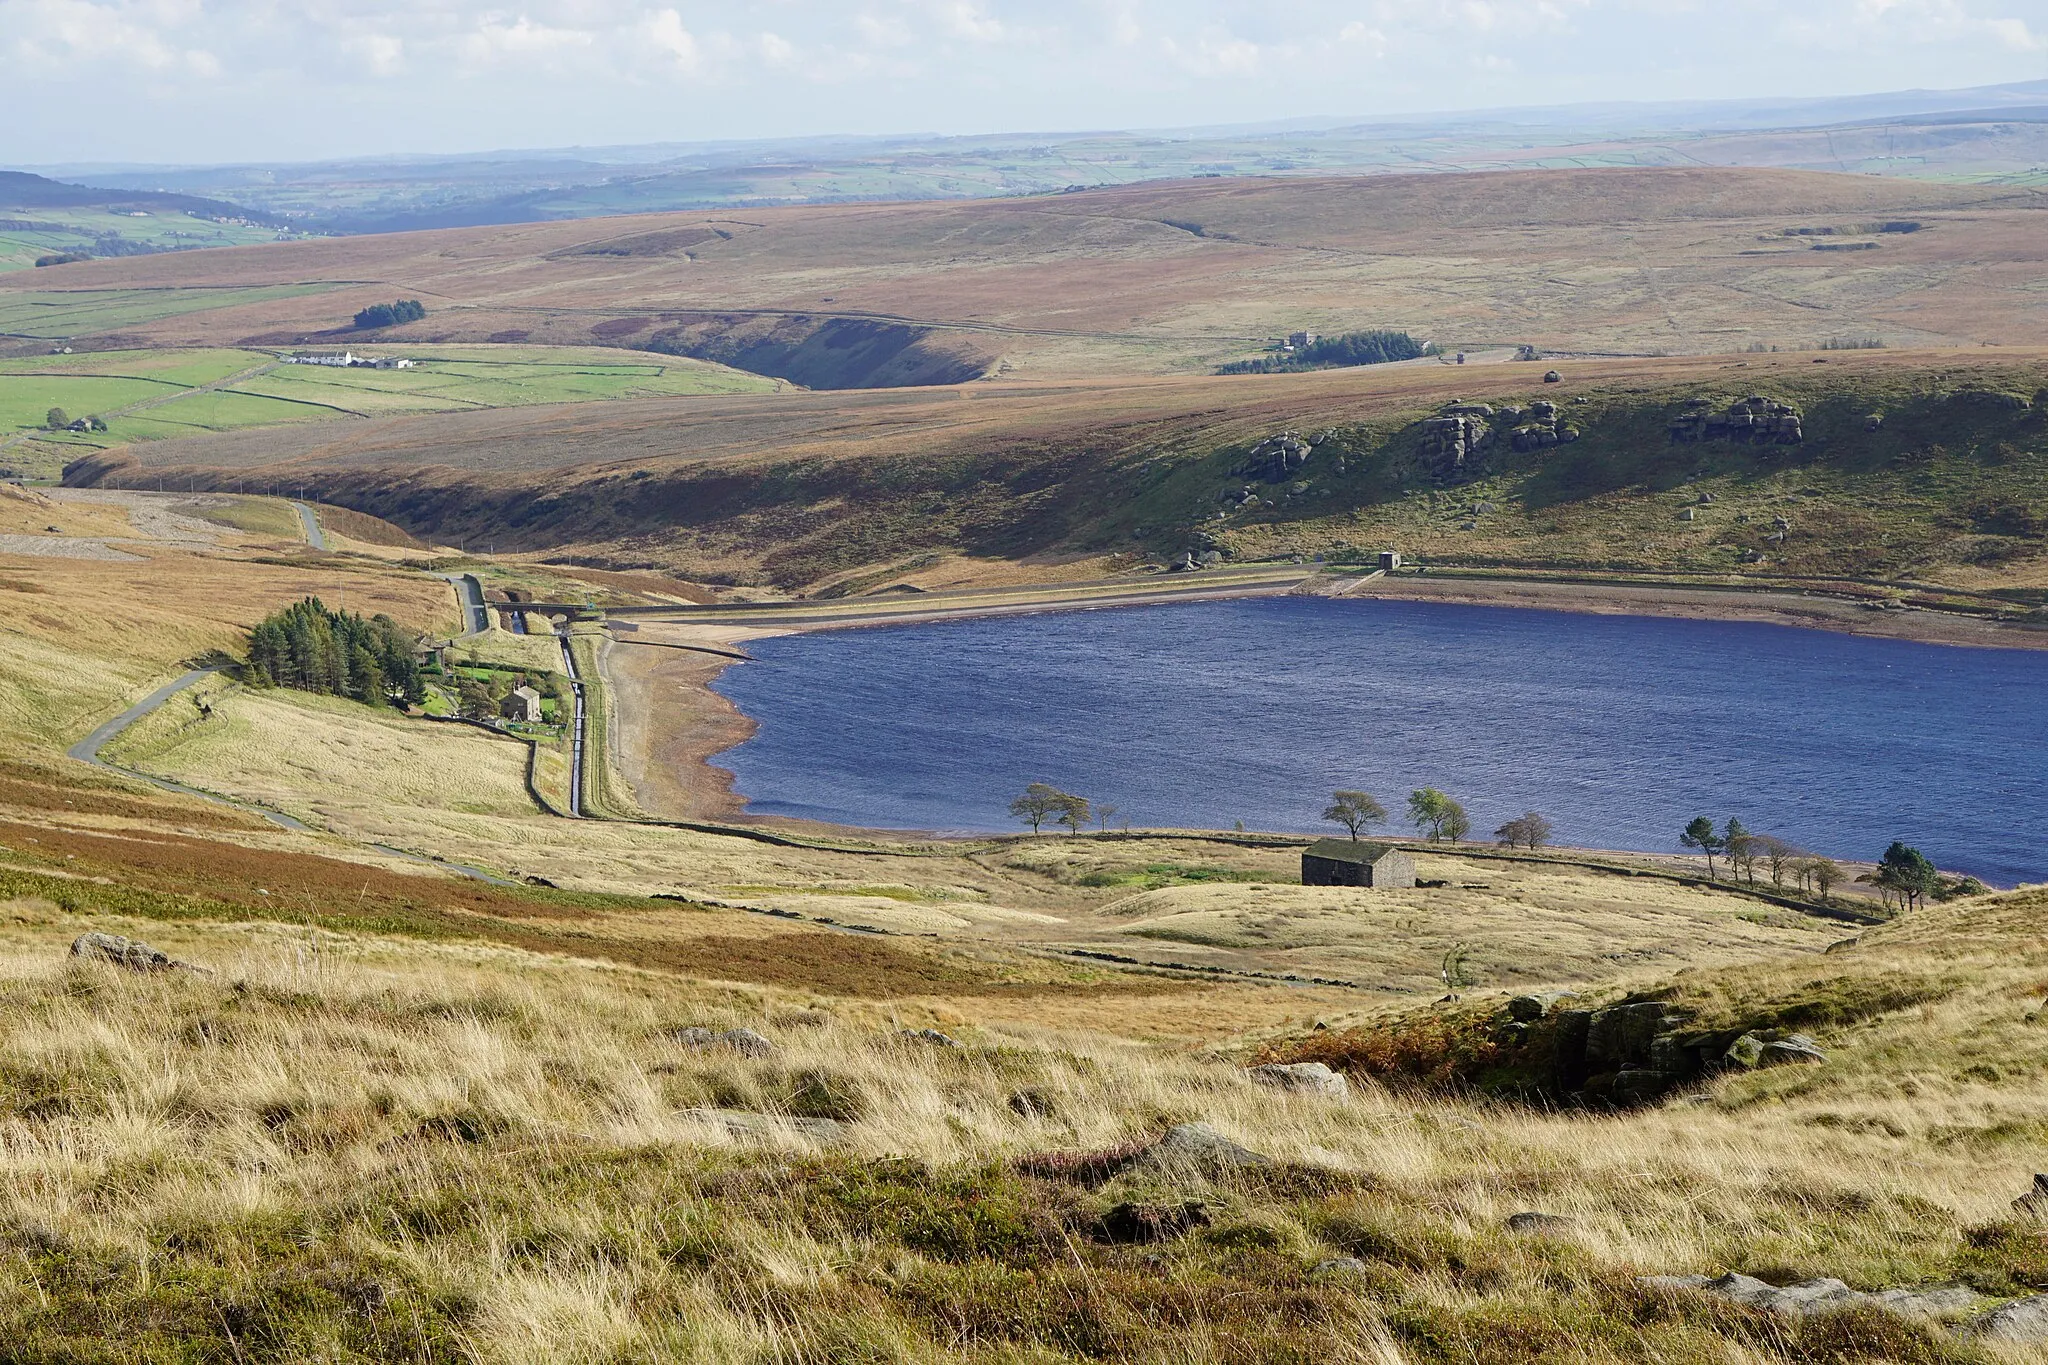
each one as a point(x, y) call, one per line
point(1988, 134)
point(20, 190)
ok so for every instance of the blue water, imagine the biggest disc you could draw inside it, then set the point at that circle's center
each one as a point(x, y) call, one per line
point(1618, 728)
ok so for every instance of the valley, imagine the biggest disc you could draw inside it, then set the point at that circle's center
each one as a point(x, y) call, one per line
point(495, 1027)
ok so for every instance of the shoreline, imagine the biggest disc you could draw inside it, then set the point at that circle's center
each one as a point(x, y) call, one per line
point(672, 723)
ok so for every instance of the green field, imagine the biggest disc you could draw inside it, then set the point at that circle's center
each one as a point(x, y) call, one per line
point(68, 313)
point(58, 230)
point(448, 378)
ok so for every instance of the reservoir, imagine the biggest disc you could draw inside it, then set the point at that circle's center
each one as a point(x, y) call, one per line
point(1620, 729)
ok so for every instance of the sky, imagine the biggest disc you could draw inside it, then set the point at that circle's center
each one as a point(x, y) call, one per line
point(214, 81)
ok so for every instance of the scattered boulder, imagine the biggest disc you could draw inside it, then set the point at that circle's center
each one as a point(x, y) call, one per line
point(931, 1037)
point(1797, 1048)
point(1308, 1078)
point(1811, 1297)
point(132, 954)
point(1149, 1223)
point(1527, 1009)
point(1746, 1052)
point(1552, 377)
point(1539, 1224)
point(744, 1041)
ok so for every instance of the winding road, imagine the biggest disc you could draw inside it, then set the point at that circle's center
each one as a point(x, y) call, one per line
point(315, 537)
point(476, 616)
point(87, 750)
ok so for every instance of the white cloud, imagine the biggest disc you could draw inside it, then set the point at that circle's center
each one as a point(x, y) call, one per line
point(665, 32)
point(102, 79)
point(381, 53)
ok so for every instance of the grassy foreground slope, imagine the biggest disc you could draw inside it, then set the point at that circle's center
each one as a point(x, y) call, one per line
point(1911, 465)
point(408, 1115)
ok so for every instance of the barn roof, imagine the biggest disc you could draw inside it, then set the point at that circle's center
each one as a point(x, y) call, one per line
point(1349, 850)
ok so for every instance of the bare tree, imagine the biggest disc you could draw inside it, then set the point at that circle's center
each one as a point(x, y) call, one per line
point(1817, 874)
point(1102, 816)
point(1778, 856)
point(1741, 848)
point(1355, 811)
point(1528, 830)
point(1072, 811)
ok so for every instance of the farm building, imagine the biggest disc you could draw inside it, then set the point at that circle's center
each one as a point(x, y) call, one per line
point(524, 704)
point(1350, 862)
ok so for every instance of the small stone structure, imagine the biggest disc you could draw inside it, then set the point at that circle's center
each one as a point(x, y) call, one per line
point(523, 704)
point(1352, 862)
point(1390, 560)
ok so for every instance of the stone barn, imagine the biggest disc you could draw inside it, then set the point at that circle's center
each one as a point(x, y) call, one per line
point(1349, 862)
point(524, 704)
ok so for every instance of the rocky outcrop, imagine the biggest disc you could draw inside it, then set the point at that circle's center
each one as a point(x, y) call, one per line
point(1757, 420)
point(1275, 458)
point(1462, 431)
point(1638, 1052)
point(1543, 429)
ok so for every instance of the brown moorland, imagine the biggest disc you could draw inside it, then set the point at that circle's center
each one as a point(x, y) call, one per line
point(1174, 276)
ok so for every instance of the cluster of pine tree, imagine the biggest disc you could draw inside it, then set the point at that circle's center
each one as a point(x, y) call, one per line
point(391, 314)
point(316, 649)
point(1353, 348)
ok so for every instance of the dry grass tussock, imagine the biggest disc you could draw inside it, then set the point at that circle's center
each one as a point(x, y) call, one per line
point(347, 1148)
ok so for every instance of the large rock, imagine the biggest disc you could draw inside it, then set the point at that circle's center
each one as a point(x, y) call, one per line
point(129, 953)
point(1931, 1301)
point(1307, 1078)
point(1201, 1149)
point(1797, 1048)
point(2022, 1320)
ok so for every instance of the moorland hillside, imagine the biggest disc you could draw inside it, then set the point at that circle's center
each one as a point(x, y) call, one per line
point(1889, 466)
point(1154, 278)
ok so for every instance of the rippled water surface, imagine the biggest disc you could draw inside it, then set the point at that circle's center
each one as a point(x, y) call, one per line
point(1620, 729)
